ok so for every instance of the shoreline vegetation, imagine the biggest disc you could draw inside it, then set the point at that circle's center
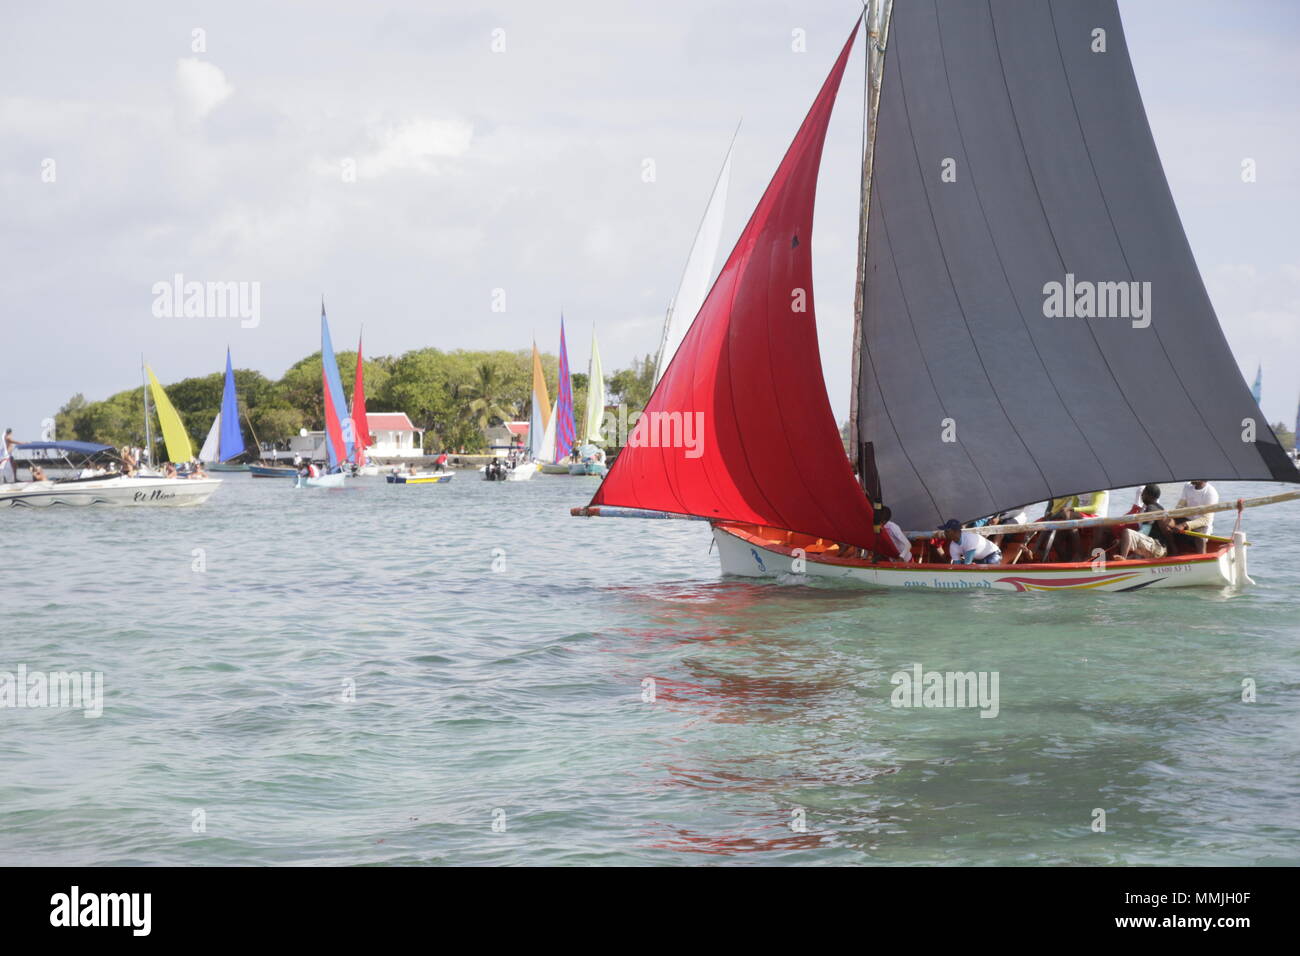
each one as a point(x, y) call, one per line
point(453, 396)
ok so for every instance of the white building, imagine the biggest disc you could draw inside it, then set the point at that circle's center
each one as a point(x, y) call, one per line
point(394, 436)
point(393, 433)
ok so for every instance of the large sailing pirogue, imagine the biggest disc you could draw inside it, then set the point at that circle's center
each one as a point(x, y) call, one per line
point(1007, 150)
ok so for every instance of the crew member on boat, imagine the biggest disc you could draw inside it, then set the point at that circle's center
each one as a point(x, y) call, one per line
point(1195, 494)
point(896, 535)
point(1144, 539)
point(1012, 545)
point(7, 460)
point(1070, 508)
point(967, 547)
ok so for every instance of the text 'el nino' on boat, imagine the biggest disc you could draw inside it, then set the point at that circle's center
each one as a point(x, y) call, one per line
point(1030, 326)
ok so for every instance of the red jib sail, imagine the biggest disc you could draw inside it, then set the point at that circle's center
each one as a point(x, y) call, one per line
point(740, 428)
point(360, 424)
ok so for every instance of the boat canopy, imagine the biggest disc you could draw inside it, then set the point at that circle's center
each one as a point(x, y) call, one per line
point(64, 447)
point(1034, 324)
point(740, 427)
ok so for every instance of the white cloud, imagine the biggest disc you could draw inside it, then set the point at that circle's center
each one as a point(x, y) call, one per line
point(201, 85)
point(413, 145)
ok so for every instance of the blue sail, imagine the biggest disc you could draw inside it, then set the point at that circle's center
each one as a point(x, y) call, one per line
point(338, 436)
point(1257, 388)
point(232, 437)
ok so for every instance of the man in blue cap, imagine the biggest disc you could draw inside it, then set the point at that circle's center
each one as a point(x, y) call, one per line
point(967, 547)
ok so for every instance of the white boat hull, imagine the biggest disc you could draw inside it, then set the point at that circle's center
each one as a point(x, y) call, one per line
point(119, 491)
point(749, 555)
point(322, 481)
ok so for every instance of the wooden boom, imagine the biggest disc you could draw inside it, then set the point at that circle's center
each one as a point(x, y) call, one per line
point(1138, 518)
point(606, 511)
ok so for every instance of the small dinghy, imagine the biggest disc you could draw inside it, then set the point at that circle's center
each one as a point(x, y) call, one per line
point(272, 471)
point(422, 478)
point(335, 480)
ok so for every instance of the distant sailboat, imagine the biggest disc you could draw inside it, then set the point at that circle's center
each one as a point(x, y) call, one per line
point(594, 417)
point(970, 398)
point(225, 438)
point(179, 449)
point(339, 446)
point(541, 426)
point(360, 424)
point(697, 276)
point(565, 430)
point(1257, 389)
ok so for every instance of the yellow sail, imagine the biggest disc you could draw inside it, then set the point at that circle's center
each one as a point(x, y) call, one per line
point(179, 448)
point(540, 395)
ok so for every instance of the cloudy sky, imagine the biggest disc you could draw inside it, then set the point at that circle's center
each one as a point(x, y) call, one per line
point(128, 156)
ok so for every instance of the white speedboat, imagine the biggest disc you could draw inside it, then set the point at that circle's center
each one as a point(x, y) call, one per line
point(109, 490)
point(500, 470)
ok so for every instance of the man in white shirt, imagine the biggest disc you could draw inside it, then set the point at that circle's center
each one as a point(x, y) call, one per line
point(967, 547)
point(1196, 493)
point(895, 534)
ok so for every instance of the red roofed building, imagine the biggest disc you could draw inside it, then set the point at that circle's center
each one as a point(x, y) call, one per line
point(394, 436)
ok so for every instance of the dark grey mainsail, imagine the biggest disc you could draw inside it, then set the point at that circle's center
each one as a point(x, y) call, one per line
point(1012, 153)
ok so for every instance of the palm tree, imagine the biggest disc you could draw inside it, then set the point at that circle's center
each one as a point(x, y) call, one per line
point(485, 397)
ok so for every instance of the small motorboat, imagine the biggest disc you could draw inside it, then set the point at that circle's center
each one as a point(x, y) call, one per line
point(421, 478)
point(500, 469)
point(109, 490)
point(97, 487)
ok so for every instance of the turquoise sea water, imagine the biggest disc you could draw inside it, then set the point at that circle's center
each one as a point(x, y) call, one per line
point(515, 696)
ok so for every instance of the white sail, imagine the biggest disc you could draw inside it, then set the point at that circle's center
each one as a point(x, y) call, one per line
point(210, 452)
point(595, 416)
point(547, 450)
point(697, 278)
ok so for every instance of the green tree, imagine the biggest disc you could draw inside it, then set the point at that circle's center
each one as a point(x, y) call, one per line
point(633, 386)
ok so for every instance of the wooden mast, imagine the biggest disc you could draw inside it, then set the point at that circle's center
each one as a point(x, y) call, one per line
point(877, 16)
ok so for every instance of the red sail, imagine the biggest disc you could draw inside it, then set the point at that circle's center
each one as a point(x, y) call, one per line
point(740, 428)
point(360, 424)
